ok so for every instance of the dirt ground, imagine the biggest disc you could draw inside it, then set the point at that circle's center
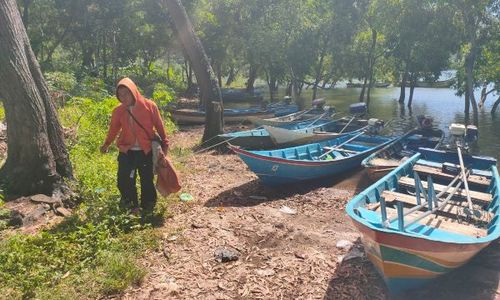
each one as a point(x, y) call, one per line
point(294, 242)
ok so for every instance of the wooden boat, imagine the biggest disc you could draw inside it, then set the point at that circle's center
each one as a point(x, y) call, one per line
point(414, 222)
point(360, 85)
point(260, 138)
point(388, 158)
point(433, 84)
point(311, 161)
point(192, 116)
point(301, 116)
point(312, 134)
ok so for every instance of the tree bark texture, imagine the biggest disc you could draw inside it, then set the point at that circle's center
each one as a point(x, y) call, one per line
point(37, 158)
point(209, 88)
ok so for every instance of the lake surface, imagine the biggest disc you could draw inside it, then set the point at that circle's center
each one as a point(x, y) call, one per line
point(442, 104)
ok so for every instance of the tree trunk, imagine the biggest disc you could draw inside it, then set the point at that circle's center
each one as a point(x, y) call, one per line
point(319, 71)
point(210, 91)
point(470, 60)
point(231, 77)
point(495, 106)
point(37, 158)
point(218, 67)
point(363, 89)
point(252, 76)
point(412, 89)
point(402, 95)
point(372, 66)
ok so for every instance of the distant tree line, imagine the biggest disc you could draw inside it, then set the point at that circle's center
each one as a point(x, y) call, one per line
point(289, 43)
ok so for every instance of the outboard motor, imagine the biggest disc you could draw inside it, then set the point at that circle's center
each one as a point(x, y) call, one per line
point(471, 134)
point(425, 122)
point(330, 110)
point(287, 100)
point(375, 126)
point(319, 103)
point(457, 135)
point(358, 109)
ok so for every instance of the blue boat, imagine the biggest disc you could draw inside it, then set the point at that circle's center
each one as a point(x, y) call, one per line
point(259, 139)
point(312, 161)
point(388, 158)
point(422, 220)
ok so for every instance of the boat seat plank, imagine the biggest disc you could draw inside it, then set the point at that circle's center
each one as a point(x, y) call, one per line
point(437, 173)
point(475, 196)
point(440, 223)
point(451, 209)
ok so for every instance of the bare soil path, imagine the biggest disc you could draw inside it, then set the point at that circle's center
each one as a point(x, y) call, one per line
point(287, 239)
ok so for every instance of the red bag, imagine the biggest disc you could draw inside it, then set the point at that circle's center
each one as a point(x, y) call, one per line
point(167, 181)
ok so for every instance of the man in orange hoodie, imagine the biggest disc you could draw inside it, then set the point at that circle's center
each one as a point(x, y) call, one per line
point(135, 120)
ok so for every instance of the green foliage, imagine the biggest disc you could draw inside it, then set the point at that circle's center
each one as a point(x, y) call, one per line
point(162, 95)
point(2, 113)
point(61, 81)
point(94, 252)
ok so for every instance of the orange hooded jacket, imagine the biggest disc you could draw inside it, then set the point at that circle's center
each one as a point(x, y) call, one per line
point(146, 112)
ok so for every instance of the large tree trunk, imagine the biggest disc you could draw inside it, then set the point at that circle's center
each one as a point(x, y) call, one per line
point(209, 89)
point(37, 158)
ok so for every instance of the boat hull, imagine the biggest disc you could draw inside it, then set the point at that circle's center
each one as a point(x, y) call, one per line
point(406, 262)
point(426, 249)
point(277, 171)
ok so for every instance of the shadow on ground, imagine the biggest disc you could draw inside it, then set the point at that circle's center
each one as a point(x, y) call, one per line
point(254, 192)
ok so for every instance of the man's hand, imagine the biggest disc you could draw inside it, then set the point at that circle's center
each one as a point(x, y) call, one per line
point(104, 149)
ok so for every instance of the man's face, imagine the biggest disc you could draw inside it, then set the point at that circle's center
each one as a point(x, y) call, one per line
point(125, 96)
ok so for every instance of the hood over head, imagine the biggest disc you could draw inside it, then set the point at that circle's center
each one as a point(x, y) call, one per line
point(130, 85)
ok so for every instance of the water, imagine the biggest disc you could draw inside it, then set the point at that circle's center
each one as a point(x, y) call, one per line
point(442, 104)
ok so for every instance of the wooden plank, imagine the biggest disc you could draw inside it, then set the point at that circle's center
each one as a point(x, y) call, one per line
point(477, 196)
point(441, 223)
point(451, 209)
point(436, 172)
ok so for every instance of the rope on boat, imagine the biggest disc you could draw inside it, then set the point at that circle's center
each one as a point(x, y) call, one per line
point(213, 146)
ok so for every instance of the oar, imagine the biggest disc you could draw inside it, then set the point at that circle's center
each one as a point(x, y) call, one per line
point(347, 124)
point(466, 184)
point(317, 119)
point(339, 146)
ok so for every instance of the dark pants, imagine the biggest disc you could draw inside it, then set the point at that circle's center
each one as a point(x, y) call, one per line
point(128, 165)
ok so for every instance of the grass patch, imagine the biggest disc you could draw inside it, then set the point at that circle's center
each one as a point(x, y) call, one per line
point(95, 251)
